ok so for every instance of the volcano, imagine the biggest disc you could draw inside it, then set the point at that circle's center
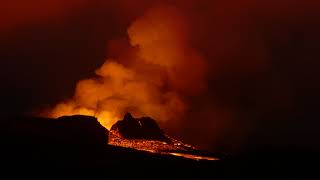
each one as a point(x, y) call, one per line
point(144, 134)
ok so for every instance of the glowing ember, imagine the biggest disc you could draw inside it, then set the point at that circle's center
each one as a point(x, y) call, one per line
point(176, 148)
point(195, 157)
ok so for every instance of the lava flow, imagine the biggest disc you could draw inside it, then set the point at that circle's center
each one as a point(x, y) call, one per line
point(144, 134)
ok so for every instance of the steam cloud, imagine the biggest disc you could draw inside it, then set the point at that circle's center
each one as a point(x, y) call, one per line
point(153, 76)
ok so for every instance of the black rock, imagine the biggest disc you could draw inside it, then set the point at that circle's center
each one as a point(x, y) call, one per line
point(63, 134)
point(128, 127)
point(70, 141)
point(82, 130)
point(139, 128)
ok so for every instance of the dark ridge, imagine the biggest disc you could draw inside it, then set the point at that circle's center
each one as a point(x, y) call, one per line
point(68, 142)
point(38, 145)
point(70, 130)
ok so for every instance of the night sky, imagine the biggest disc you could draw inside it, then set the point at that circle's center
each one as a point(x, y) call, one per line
point(263, 58)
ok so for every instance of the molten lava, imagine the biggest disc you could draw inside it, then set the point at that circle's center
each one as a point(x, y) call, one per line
point(176, 148)
point(145, 135)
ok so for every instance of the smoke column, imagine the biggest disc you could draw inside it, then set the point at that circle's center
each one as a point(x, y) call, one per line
point(154, 75)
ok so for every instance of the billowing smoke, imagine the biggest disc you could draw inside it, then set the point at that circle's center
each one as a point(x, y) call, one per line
point(153, 76)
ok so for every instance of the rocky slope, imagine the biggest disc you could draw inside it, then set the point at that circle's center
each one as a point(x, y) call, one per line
point(145, 134)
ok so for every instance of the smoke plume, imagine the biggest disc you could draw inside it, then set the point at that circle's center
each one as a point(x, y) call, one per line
point(155, 73)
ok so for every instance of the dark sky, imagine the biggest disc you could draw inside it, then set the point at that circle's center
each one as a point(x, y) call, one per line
point(263, 57)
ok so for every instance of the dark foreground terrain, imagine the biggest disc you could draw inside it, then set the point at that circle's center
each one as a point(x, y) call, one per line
point(80, 142)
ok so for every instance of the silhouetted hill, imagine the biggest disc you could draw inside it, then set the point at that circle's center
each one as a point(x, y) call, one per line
point(81, 142)
point(69, 142)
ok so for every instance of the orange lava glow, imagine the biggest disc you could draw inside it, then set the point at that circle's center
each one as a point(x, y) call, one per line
point(106, 118)
point(175, 148)
point(195, 157)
